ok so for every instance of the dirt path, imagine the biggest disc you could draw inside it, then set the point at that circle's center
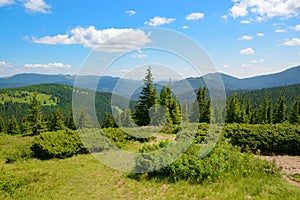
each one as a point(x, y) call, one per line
point(290, 165)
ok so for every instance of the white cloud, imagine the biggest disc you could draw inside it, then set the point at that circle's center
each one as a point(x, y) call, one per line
point(195, 16)
point(245, 22)
point(247, 51)
point(130, 12)
point(238, 11)
point(108, 40)
point(260, 19)
point(280, 31)
point(297, 28)
point(37, 6)
point(224, 17)
point(292, 42)
point(185, 27)
point(226, 66)
point(6, 2)
point(158, 21)
point(31, 6)
point(246, 37)
point(49, 66)
point(265, 8)
point(260, 34)
point(257, 61)
point(139, 56)
point(245, 65)
point(4, 66)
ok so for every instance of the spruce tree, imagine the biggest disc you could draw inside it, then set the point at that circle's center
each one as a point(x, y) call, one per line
point(2, 126)
point(185, 112)
point(233, 110)
point(84, 120)
point(126, 120)
point(280, 111)
point(108, 121)
point(264, 112)
point(13, 127)
point(25, 127)
point(146, 100)
point(295, 114)
point(171, 106)
point(175, 112)
point(70, 123)
point(249, 112)
point(201, 107)
point(204, 106)
point(35, 117)
point(194, 117)
point(57, 123)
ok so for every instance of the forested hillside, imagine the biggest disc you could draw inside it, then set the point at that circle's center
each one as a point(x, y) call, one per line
point(256, 97)
point(15, 102)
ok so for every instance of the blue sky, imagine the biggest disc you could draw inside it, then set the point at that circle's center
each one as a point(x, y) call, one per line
point(242, 37)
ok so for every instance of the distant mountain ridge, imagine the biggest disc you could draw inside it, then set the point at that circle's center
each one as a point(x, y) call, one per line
point(128, 87)
point(287, 77)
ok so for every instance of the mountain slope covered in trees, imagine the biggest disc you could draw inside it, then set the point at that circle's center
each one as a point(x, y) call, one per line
point(15, 102)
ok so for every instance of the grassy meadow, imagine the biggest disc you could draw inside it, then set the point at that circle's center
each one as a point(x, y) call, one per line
point(84, 177)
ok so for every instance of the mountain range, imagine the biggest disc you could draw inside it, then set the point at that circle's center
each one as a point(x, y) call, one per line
point(130, 88)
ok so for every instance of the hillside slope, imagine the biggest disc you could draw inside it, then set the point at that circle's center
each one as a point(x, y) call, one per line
point(15, 101)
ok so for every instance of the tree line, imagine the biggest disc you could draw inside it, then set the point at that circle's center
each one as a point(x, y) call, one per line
point(35, 123)
point(268, 112)
point(156, 109)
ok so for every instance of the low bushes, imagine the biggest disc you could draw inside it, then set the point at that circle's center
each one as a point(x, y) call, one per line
point(60, 144)
point(268, 138)
point(223, 160)
point(8, 182)
point(18, 152)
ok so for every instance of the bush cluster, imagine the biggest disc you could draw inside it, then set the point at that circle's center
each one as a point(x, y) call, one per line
point(268, 138)
point(8, 182)
point(223, 160)
point(60, 144)
point(19, 152)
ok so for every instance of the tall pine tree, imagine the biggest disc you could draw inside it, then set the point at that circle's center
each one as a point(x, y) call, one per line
point(13, 126)
point(2, 126)
point(280, 111)
point(233, 110)
point(201, 107)
point(35, 117)
point(171, 106)
point(146, 100)
point(57, 123)
point(295, 114)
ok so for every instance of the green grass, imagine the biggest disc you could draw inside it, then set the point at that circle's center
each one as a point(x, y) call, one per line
point(8, 143)
point(83, 177)
point(25, 97)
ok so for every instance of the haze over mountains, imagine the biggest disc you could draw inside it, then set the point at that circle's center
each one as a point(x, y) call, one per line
point(127, 87)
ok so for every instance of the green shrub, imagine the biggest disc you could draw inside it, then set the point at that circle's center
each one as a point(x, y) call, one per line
point(19, 152)
point(223, 160)
point(268, 138)
point(117, 136)
point(60, 144)
point(94, 140)
point(9, 183)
